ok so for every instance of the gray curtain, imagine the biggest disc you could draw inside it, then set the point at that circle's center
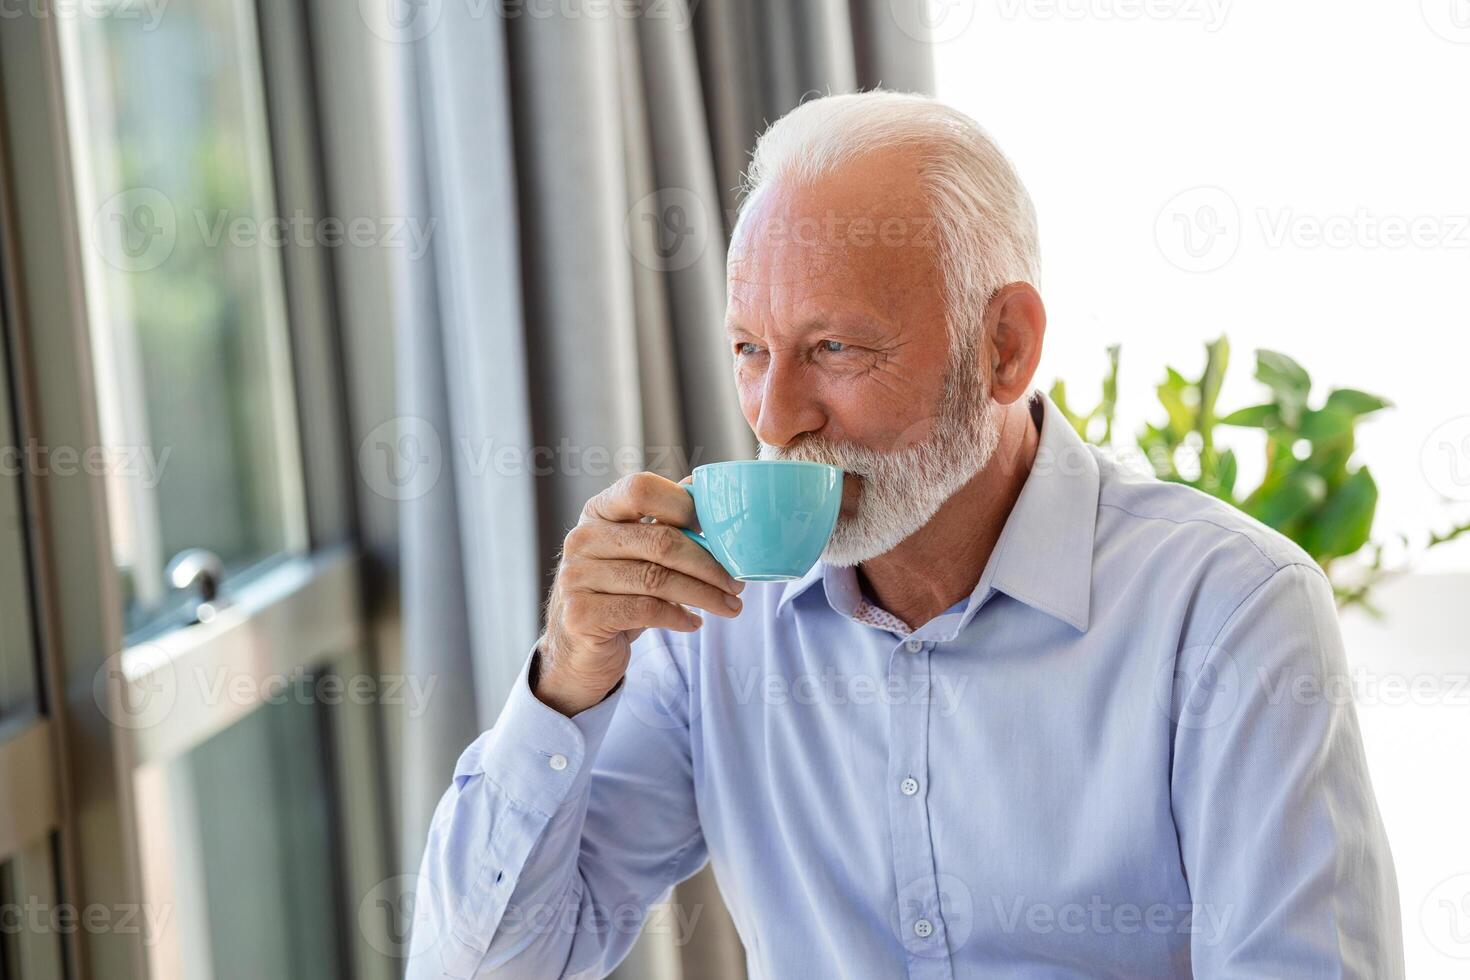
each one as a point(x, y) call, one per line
point(582, 171)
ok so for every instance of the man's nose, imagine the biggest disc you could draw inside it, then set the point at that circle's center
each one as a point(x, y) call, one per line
point(789, 407)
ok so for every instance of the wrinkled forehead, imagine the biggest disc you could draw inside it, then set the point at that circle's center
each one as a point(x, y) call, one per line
point(863, 236)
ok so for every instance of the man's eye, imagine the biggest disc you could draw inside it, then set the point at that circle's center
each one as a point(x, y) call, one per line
point(833, 346)
point(746, 348)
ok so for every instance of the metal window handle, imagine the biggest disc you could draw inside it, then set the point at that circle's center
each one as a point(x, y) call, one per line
point(201, 571)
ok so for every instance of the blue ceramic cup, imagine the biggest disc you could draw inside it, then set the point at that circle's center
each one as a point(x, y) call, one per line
point(765, 520)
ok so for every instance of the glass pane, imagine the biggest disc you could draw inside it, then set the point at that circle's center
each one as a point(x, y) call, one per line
point(17, 650)
point(32, 920)
point(239, 842)
point(184, 287)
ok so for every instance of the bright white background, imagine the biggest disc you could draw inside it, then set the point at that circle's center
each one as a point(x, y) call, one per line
point(1347, 119)
point(1301, 120)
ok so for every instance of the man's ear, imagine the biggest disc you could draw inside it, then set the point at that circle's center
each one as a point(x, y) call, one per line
point(1015, 325)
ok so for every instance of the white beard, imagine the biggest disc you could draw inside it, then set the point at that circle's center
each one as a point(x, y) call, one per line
point(903, 489)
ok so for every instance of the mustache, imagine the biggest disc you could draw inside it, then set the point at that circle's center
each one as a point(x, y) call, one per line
point(810, 449)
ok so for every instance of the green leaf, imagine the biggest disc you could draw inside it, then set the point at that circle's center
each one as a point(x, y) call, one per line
point(1172, 397)
point(1059, 397)
point(1255, 417)
point(1217, 360)
point(1355, 402)
point(1225, 474)
point(1300, 492)
point(1342, 525)
point(1326, 424)
point(1288, 381)
point(1279, 372)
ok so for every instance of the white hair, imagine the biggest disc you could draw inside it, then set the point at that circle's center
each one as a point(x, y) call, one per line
point(985, 221)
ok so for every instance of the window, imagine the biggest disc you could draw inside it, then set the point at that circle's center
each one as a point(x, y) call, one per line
point(184, 281)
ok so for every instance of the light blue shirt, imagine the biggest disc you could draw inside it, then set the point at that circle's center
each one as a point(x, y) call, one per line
point(1125, 754)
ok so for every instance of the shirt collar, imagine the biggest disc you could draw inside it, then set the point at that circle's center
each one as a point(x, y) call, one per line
point(1043, 557)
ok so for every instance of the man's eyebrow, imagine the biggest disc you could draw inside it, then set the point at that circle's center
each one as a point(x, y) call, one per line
point(852, 324)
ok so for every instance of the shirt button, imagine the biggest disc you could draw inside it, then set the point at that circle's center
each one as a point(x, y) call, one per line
point(557, 762)
point(914, 646)
point(923, 928)
point(909, 786)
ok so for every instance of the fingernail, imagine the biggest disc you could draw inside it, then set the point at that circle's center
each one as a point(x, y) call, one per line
point(696, 619)
point(733, 603)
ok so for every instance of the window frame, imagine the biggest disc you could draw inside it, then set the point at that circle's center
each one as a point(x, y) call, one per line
point(92, 765)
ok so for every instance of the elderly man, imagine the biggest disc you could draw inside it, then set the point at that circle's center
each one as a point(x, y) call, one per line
point(1032, 715)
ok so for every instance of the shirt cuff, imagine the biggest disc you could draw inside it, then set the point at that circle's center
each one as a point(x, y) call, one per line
point(536, 755)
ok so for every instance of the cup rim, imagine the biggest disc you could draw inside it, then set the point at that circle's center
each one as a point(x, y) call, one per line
point(768, 462)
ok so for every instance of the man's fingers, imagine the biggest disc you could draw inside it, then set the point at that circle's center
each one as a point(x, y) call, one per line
point(658, 543)
point(616, 613)
point(644, 495)
point(624, 576)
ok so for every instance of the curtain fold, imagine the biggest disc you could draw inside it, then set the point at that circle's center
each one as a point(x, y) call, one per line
point(582, 169)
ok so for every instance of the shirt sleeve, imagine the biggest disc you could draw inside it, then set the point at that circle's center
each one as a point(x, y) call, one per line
point(1288, 866)
point(558, 833)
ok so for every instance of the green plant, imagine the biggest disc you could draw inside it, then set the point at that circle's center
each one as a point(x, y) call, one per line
point(1314, 490)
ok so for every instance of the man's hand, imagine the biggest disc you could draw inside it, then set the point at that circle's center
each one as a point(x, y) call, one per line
point(619, 576)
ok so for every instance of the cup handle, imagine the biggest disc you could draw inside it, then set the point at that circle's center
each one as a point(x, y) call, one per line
point(698, 539)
